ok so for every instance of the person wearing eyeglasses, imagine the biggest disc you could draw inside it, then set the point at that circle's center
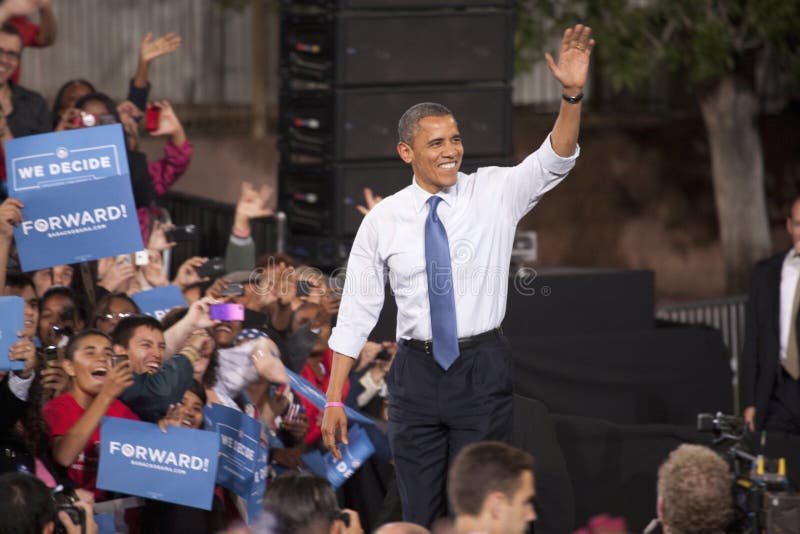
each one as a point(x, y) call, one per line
point(22, 111)
point(111, 309)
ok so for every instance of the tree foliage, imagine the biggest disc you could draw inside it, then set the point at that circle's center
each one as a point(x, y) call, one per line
point(701, 39)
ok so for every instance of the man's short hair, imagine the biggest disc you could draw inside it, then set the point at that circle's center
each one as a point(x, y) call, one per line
point(20, 281)
point(408, 126)
point(26, 504)
point(481, 468)
point(694, 484)
point(303, 503)
point(69, 350)
point(126, 328)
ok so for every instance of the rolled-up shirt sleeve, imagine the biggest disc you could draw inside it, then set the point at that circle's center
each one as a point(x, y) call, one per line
point(363, 295)
point(537, 174)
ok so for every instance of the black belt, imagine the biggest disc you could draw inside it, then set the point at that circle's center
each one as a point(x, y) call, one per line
point(463, 343)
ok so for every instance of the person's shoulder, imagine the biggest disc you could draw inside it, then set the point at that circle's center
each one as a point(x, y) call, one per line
point(60, 404)
point(23, 93)
point(120, 409)
point(770, 262)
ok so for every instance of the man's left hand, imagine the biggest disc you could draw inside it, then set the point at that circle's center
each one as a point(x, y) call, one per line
point(573, 58)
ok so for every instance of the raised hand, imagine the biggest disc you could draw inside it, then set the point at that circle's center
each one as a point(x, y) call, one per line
point(21, 7)
point(199, 315)
point(153, 272)
point(55, 380)
point(151, 49)
point(10, 216)
point(118, 379)
point(187, 272)
point(370, 199)
point(158, 237)
point(24, 351)
point(168, 122)
point(114, 275)
point(573, 57)
point(266, 359)
point(173, 417)
point(252, 202)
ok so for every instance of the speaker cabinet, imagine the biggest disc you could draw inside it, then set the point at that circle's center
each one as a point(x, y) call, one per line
point(361, 124)
point(381, 48)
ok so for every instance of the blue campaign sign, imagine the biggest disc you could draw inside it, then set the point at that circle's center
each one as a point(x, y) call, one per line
point(12, 321)
point(178, 466)
point(158, 301)
point(242, 458)
point(354, 455)
point(306, 389)
point(76, 188)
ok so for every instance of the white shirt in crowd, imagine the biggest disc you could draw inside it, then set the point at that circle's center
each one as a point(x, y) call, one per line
point(790, 275)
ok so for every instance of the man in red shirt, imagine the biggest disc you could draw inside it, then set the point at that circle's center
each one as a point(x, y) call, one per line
point(74, 417)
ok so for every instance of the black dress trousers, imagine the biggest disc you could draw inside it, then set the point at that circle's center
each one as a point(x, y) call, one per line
point(434, 413)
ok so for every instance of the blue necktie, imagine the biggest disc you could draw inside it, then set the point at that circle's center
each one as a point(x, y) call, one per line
point(440, 288)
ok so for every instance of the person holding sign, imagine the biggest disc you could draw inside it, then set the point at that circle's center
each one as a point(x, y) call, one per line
point(74, 417)
point(445, 242)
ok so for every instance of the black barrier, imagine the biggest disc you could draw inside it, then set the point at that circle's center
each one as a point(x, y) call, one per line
point(214, 221)
point(659, 376)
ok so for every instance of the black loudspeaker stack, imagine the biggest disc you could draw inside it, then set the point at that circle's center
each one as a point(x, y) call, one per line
point(349, 69)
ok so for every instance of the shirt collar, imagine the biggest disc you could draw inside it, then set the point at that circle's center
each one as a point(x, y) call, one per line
point(420, 196)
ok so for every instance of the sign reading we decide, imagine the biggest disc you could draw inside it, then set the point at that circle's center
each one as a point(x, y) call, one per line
point(76, 188)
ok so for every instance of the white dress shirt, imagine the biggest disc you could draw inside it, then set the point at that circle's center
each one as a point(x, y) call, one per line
point(480, 213)
point(790, 275)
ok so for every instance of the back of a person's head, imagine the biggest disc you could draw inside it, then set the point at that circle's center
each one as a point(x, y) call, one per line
point(694, 486)
point(126, 328)
point(402, 527)
point(302, 502)
point(482, 468)
point(26, 504)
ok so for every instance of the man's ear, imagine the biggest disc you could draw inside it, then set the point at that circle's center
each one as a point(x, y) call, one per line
point(493, 504)
point(660, 508)
point(49, 528)
point(406, 152)
point(68, 367)
point(337, 527)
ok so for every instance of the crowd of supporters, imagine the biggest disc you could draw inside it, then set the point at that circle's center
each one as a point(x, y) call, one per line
point(89, 351)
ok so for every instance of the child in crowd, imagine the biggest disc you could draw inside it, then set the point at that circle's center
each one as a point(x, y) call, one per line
point(74, 417)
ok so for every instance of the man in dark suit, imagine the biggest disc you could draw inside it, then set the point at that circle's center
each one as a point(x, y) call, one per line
point(770, 369)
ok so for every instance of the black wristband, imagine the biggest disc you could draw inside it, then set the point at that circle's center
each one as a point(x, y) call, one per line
point(572, 99)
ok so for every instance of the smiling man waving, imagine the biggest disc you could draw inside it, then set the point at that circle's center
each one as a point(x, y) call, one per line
point(445, 242)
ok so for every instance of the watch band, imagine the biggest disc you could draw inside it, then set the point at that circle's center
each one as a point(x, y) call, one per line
point(572, 99)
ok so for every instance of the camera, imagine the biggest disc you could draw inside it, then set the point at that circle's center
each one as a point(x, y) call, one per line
point(84, 119)
point(65, 502)
point(763, 501)
point(182, 233)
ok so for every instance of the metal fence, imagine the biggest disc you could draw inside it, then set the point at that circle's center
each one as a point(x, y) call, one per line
point(99, 40)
